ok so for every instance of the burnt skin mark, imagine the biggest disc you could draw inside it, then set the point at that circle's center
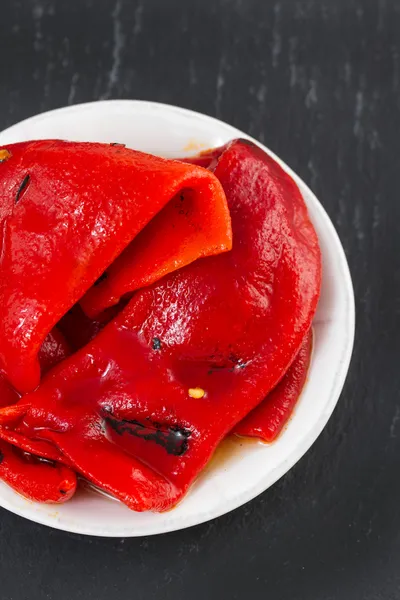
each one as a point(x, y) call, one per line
point(1, 457)
point(63, 492)
point(22, 187)
point(173, 439)
point(156, 343)
point(117, 144)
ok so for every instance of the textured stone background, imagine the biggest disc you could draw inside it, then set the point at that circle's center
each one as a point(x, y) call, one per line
point(318, 82)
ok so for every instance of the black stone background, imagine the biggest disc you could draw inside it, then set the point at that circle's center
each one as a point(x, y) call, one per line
point(318, 82)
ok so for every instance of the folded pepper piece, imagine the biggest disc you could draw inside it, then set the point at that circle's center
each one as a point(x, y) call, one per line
point(39, 448)
point(68, 210)
point(186, 229)
point(53, 350)
point(191, 355)
point(267, 420)
point(37, 480)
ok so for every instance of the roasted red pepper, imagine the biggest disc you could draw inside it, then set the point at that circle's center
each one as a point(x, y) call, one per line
point(68, 210)
point(191, 355)
point(267, 420)
point(38, 448)
point(189, 227)
point(35, 479)
point(53, 350)
point(8, 395)
point(207, 159)
point(79, 329)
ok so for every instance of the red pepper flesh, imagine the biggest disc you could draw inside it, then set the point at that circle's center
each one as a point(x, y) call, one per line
point(267, 420)
point(79, 329)
point(186, 229)
point(39, 448)
point(37, 480)
point(192, 354)
point(67, 211)
point(8, 395)
point(53, 350)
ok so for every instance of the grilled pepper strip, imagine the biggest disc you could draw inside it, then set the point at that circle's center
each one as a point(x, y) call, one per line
point(67, 211)
point(37, 480)
point(191, 355)
point(267, 420)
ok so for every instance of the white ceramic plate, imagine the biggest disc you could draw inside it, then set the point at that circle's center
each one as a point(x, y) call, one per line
point(249, 469)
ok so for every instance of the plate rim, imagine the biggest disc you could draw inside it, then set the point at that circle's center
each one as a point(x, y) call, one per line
point(341, 371)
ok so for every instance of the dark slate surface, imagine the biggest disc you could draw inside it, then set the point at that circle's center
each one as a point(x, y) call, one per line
point(318, 81)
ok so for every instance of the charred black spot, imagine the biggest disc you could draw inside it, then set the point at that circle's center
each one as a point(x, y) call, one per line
point(173, 439)
point(156, 343)
point(102, 277)
point(22, 187)
point(63, 492)
point(117, 144)
point(181, 197)
point(1, 457)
